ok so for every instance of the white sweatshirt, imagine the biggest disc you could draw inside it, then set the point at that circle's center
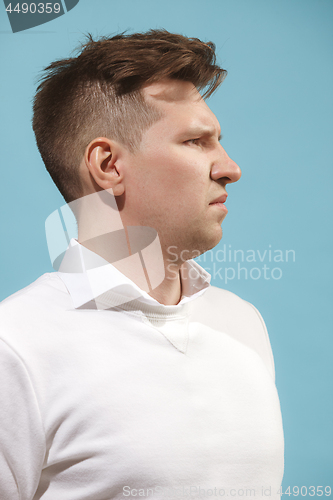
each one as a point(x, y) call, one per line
point(140, 400)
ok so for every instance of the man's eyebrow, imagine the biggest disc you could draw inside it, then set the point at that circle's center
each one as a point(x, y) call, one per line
point(199, 131)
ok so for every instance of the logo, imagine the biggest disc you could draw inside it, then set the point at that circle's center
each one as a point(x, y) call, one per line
point(26, 15)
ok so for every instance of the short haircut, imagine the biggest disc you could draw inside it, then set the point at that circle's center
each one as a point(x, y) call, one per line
point(97, 94)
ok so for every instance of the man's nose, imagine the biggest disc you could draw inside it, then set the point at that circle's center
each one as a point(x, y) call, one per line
point(224, 168)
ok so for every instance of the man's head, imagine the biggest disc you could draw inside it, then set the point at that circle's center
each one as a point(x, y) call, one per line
point(126, 116)
point(99, 94)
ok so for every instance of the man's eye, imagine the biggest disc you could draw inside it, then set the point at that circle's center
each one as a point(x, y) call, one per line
point(193, 141)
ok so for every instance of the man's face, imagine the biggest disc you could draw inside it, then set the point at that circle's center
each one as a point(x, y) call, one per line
point(178, 173)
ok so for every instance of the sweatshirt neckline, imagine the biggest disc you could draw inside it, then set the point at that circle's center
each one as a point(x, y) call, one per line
point(105, 287)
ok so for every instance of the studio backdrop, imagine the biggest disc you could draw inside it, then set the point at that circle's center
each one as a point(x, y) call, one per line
point(275, 111)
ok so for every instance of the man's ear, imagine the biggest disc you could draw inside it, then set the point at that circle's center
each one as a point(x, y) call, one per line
point(102, 160)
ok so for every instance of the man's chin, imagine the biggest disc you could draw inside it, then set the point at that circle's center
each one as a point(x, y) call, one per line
point(215, 239)
point(209, 244)
point(192, 248)
point(212, 246)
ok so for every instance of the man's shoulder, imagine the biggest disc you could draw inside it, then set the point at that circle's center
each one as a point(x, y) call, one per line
point(42, 288)
point(33, 302)
point(226, 304)
point(225, 311)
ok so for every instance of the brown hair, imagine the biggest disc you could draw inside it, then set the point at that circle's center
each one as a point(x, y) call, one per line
point(98, 93)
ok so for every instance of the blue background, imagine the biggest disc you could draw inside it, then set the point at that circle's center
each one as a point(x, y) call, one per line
point(275, 110)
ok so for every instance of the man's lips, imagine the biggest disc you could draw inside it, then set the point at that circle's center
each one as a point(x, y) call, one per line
point(219, 202)
point(220, 199)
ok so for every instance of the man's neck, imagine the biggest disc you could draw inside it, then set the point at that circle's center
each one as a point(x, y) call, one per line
point(170, 290)
point(167, 292)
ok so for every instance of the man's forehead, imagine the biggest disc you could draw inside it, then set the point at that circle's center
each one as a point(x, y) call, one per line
point(169, 90)
point(181, 101)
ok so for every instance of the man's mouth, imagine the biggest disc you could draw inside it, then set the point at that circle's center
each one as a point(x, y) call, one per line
point(221, 199)
point(219, 202)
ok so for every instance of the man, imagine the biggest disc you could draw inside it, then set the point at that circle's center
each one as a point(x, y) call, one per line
point(124, 373)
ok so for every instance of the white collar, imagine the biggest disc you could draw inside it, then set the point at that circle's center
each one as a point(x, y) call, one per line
point(88, 277)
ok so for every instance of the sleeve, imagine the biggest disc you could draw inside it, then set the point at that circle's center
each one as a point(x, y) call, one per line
point(22, 438)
